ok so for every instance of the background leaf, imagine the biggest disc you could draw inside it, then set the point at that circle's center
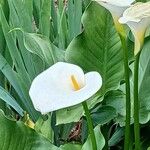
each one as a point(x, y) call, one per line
point(41, 46)
point(5, 96)
point(70, 146)
point(74, 113)
point(103, 115)
point(17, 136)
point(99, 139)
point(43, 126)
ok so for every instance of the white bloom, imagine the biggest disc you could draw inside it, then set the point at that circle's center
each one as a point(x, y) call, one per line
point(116, 7)
point(63, 85)
point(137, 17)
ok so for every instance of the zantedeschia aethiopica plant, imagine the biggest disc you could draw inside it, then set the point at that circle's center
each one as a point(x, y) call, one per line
point(137, 17)
point(63, 85)
point(116, 8)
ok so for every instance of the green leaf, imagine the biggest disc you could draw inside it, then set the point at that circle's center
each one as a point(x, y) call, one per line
point(45, 15)
point(5, 7)
point(62, 25)
point(74, 18)
point(36, 11)
point(144, 80)
point(21, 14)
point(13, 49)
point(103, 115)
point(116, 137)
point(70, 146)
point(44, 127)
point(5, 96)
point(99, 139)
point(16, 136)
point(21, 17)
point(41, 46)
point(74, 113)
point(98, 48)
point(19, 85)
point(116, 99)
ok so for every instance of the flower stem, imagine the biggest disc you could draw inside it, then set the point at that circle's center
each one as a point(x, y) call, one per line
point(136, 104)
point(128, 101)
point(90, 125)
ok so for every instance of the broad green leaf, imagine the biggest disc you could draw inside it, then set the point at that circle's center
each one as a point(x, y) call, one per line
point(98, 48)
point(17, 136)
point(99, 139)
point(5, 96)
point(73, 114)
point(144, 83)
point(70, 146)
point(116, 99)
point(44, 127)
point(103, 115)
point(41, 46)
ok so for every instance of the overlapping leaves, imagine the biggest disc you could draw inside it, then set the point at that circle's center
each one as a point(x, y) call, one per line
point(98, 48)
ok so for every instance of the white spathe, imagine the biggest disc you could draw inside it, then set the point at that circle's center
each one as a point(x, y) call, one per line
point(53, 89)
point(116, 7)
point(137, 17)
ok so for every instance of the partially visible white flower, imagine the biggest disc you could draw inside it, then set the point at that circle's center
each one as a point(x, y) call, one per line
point(116, 8)
point(137, 17)
point(63, 85)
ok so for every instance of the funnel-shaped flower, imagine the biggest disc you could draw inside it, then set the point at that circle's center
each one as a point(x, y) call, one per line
point(137, 17)
point(116, 8)
point(63, 85)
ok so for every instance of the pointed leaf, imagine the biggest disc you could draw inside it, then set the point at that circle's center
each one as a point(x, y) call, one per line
point(98, 48)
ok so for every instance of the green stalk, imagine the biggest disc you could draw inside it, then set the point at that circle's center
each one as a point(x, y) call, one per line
point(128, 101)
point(136, 104)
point(90, 125)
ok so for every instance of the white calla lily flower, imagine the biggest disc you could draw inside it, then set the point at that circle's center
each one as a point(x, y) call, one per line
point(63, 85)
point(116, 8)
point(137, 17)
